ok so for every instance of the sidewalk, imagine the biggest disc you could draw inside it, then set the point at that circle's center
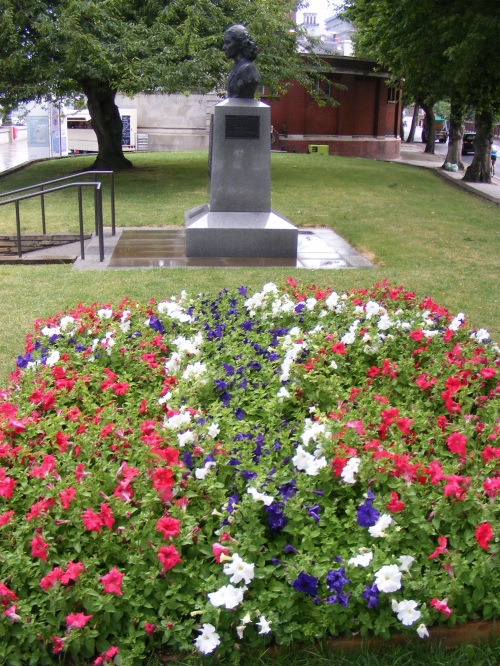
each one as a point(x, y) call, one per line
point(413, 153)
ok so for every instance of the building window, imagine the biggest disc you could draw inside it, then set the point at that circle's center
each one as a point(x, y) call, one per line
point(393, 95)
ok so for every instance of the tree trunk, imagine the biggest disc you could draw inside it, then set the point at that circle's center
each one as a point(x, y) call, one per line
point(479, 170)
point(107, 125)
point(402, 124)
point(430, 128)
point(457, 114)
point(414, 122)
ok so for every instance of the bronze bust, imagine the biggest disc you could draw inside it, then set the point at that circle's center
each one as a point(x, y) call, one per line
point(244, 77)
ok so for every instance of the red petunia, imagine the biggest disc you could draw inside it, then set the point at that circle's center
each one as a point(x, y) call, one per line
point(39, 547)
point(150, 628)
point(168, 526)
point(73, 571)
point(58, 644)
point(7, 484)
point(168, 556)
point(51, 579)
point(483, 534)
point(92, 521)
point(456, 444)
point(395, 505)
point(76, 620)
point(6, 517)
point(66, 496)
point(112, 582)
point(218, 551)
point(6, 595)
point(443, 542)
point(106, 515)
point(441, 606)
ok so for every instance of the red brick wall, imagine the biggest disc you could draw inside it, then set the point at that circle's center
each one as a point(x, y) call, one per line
point(364, 112)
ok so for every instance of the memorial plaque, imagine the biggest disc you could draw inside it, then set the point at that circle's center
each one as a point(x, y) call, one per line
point(242, 127)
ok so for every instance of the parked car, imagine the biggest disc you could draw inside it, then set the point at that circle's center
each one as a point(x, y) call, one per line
point(468, 142)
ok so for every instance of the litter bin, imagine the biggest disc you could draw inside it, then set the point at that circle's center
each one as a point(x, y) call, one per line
point(317, 150)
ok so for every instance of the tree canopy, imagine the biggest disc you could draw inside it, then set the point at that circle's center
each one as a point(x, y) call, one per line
point(436, 51)
point(58, 48)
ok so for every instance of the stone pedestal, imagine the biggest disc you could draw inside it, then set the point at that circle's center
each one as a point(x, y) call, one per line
point(239, 221)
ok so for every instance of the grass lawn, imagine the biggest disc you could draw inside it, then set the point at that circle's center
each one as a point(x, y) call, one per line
point(420, 232)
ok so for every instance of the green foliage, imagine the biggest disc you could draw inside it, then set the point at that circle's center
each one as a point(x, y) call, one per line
point(55, 47)
point(435, 49)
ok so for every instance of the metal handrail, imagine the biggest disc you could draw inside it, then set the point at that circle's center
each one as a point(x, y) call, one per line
point(97, 212)
point(58, 180)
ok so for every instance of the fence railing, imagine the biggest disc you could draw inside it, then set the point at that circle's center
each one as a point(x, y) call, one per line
point(43, 191)
point(97, 213)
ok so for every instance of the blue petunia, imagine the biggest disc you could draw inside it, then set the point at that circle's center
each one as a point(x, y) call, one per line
point(335, 580)
point(275, 517)
point(371, 595)
point(306, 583)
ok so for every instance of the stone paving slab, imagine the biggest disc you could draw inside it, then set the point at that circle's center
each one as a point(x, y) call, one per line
point(145, 247)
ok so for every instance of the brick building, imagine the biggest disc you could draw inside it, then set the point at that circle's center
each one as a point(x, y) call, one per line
point(365, 123)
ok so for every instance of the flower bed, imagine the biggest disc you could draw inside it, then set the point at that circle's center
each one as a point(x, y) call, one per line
point(277, 467)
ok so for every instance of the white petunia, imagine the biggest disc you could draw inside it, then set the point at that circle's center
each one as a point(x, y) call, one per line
point(306, 462)
point(244, 621)
point(185, 438)
point(194, 370)
point(312, 430)
point(66, 322)
point(457, 322)
point(350, 469)
point(388, 578)
point(105, 313)
point(406, 611)
point(332, 301)
point(201, 472)
point(173, 363)
point(378, 530)
point(361, 560)
point(227, 596)
point(282, 394)
point(372, 308)
point(208, 640)
point(384, 323)
point(406, 562)
point(49, 331)
point(265, 625)
point(422, 631)
point(482, 335)
point(310, 304)
point(267, 499)
point(53, 358)
point(213, 430)
point(177, 421)
point(239, 570)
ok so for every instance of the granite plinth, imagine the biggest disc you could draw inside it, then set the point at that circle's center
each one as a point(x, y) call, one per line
point(239, 234)
point(240, 157)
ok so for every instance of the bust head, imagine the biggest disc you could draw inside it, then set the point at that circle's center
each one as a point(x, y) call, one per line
point(237, 42)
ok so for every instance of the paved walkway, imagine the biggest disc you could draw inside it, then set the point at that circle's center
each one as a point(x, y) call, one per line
point(413, 153)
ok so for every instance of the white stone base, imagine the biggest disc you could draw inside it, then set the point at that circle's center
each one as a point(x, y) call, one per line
point(237, 234)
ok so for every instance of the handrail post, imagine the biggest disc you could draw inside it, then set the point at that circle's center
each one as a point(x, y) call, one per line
point(42, 200)
point(98, 219)
point(18, 230)
point(112, 193)
point(80, 216)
